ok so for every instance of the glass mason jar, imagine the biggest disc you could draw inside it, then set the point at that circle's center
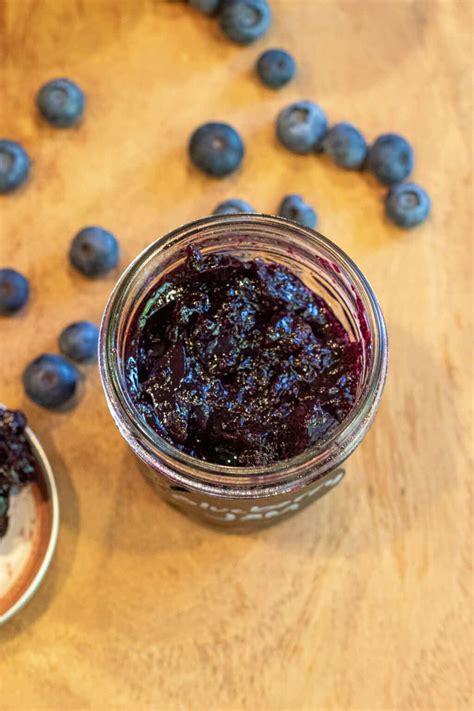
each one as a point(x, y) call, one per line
point(240, 498)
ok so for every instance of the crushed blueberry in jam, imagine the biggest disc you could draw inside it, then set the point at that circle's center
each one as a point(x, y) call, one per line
point(17, 462)
point(238, 362)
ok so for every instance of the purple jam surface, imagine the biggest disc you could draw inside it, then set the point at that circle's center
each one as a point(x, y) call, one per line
point(17, 461)
point(238, 362)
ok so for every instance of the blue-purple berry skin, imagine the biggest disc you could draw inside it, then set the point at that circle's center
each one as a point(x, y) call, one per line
point(61, 102)
point(94, 251)
point(301, 126)
point(79, 341)
point(50, 380)
point(390, 159)
point(294, 208)
point(216, 149)
point(14, 291)
point(276, 68)
point(233, 206)
point(346, 145)
point(245, 21)
point(407, 205)
point(15, 165)
point(208, 7)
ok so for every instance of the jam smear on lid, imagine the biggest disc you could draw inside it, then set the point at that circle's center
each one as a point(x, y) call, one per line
point(17, 461)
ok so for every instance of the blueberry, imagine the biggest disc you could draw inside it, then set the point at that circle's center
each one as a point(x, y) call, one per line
point(79, 341)
point(233, 206)
point(209, 7)
point(390, 158)
point(346, 145)
point(14, 291)
point(275, 67)
point(244, 21)
point(14, 165)
point(300, 126)
point(50, 380)
point(61, 102)
point(216, 148)
point(94, 251)
point(293, 207)
point(407, 205)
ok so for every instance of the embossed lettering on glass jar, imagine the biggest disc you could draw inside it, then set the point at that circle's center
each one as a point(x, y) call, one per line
point(244, 498)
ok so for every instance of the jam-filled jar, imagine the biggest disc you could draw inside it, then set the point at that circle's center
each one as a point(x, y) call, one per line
point(242, 498)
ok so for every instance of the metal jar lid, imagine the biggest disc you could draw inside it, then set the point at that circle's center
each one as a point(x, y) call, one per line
point(28, 547)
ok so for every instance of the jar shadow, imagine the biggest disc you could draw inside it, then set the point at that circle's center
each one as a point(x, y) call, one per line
point(402, 470)
point(183, 526)
point(152, 525)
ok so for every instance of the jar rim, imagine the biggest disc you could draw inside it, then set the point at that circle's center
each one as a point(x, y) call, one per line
point(329, 453)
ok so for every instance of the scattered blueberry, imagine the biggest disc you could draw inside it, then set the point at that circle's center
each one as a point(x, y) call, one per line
point(94, 251)
point(293, 207)
point(50, 380)
point(276, 68)
point(61, 102)
point(14, 291)
point(209, 7)
point(407, 205)
point(390, 158)
point(300, 126)
point(79, 341)
point(346, 145)
point(14, 165)
point(244, 21)
point(233, 206)
point(216, 148)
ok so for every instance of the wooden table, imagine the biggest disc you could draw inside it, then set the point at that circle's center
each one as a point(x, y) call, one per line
point(364, 600)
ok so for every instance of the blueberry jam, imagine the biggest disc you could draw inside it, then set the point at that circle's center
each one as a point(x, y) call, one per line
point(238, 362)
point(17, 462)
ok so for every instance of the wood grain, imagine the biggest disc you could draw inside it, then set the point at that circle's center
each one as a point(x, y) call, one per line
point(363, 601)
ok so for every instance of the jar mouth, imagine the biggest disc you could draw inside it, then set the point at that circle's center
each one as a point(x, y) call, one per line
point(327, 453)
